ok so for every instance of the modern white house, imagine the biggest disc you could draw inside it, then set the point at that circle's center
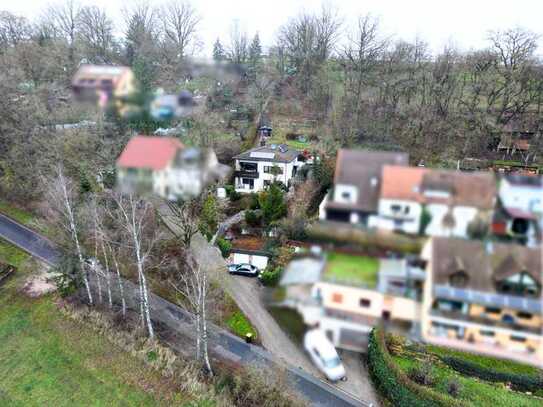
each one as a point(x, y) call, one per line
point(164, 167)
point(357, 181)
point(257, 168)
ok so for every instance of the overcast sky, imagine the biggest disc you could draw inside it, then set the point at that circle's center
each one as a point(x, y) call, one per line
point(464, 23)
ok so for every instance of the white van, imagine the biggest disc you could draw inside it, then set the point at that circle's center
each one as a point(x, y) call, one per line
point(324, 355)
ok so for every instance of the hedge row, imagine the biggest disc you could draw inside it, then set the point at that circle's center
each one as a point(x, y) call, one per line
point(394, 384)
point(519, 382)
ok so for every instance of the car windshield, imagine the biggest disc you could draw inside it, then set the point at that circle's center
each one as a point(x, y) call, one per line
point(332, 362)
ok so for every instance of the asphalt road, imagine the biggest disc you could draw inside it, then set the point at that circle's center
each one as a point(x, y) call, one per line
point(312, 389)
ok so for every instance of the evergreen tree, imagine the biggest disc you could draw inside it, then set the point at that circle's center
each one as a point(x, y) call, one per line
point(218, 51)
point(255, 50)
point(255, 54)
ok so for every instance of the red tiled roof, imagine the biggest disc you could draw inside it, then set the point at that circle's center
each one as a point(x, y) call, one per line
point(149, 152)
point(402, 183)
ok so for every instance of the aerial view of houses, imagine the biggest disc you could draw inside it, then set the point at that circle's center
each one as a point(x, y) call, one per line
point(276, 204)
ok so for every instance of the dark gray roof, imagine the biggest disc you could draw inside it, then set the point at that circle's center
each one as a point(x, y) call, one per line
point(525, 180)
point(359, 167)
point(274, 152)
point(483, 263)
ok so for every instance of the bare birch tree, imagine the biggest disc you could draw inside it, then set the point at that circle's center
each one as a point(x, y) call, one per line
point(134, 218)
point(61, 195)
point(193, 287)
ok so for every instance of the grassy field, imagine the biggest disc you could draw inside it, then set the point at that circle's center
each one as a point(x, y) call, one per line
point(46, 359)
point(473, 391)
point(351, 269)
point(19, 215)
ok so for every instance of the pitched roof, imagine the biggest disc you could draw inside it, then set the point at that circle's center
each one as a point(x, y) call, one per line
point(530, 181)
point(483, 263)
point(273, 152)
point(461, 187)
point(149, 152)
point(402, 183)
point(97, 73)
point(362, 168)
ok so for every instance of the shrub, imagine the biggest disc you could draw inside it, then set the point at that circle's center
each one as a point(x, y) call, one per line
point(270, 277)
point(422, 375)
point(425, 219)
point(521, 382)
point(394, 383)
point(294, 228)
point(224, 246)
point(253, 202)
point(453, 387)
point(252, 218)
point(232, 193)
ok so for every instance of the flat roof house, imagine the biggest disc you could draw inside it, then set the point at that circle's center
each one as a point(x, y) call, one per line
point(257, 168)
point(357, 181)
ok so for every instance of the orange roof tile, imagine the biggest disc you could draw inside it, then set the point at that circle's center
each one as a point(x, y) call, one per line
point(402, 182)
point(149, 152)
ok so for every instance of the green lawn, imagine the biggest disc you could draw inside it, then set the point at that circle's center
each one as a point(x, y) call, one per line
point(501, 365)
point(351, 269)
point(19, 215)
point(11, 254)
point(47, 359)
point(240, 325)
point(473, 391)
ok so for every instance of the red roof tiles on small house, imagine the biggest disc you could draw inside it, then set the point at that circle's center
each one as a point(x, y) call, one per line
point(148, 152)
point(402, 183)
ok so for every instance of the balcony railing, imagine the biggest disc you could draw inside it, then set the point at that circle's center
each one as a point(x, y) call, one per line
point(246, 174)
point(482, 320)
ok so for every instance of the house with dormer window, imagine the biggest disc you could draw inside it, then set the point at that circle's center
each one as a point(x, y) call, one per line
point(257, 168)
point(484, 297)
point(357, 181)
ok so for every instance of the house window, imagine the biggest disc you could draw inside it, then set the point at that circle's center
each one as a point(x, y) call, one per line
point(458, 279)
point(346, 195)
point(395, 208)
point(517, 338)
point(406, 210)
point(267, 183)
point(337, 297)
point(486, 332)
point(492, 310)
point(248, 183)
point(364, 302)
point(524, 315)
point(273, 169)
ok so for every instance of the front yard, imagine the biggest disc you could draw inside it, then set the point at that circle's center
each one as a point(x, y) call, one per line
point(352, 269)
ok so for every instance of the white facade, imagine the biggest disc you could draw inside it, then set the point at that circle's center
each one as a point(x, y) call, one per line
point(397, 215)
point(462, 215)
point(259, 261)
point(345, 194)
point(263, 174)
point(525, 197)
